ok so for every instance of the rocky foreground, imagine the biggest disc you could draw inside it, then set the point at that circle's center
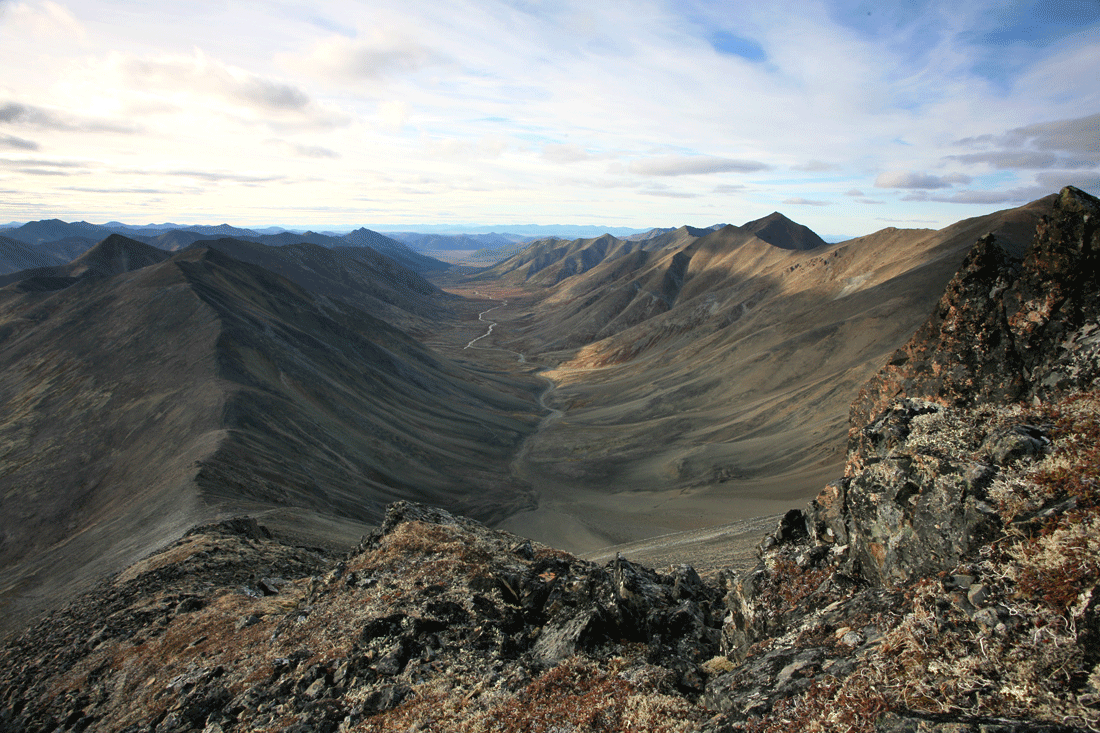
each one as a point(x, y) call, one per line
point(946, 583)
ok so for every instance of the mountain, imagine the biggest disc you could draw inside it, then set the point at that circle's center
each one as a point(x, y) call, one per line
point(780, 231)
point(112, 256)
point(50, 230)
point(16, 256)
point(947, 582)
point(401, 253)
point(174, 240)
point(139, 404)
point(429, 241)
point(359, 276)
point(711, 377)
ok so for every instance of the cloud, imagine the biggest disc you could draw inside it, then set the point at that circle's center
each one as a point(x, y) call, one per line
point(1068, 143)
point(815, 166)
point(306, 151)
point(683, 165)
point(91, 189)
point(799, 201)
point(564, 153)
point(1013, 159)
point(1010, 196)
point(10, 141)
point(198, 73)
point(383, 53)
point(909, 179)
point(43, 162)
point(853, 192)
point(42, 19)
point(669, 194)
point(41, 118)
point(1080, 135)
point(1051, 181)
point(46, 172)
point(211, 175)
point(393, 114)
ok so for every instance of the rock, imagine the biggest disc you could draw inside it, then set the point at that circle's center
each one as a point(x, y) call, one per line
point(977, 595)
point(384, 698)
point(272, 586)
point(249, 620)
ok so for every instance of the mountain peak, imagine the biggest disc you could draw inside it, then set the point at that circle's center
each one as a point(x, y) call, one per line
point(116, 254)
point(776, 229)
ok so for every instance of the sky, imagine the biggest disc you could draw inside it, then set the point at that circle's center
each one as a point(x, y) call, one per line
point(847, 116)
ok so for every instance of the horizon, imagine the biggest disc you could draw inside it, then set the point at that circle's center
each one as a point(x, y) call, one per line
point(848, 116)
point(533, 231)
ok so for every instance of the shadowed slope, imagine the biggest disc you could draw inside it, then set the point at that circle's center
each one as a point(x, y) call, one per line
point(780, 231)
point(114, 255)
point(134, 406)
point(16, 255)
point(357, 275)
point(341, 412)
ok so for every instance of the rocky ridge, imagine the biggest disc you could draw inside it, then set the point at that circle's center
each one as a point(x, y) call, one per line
point(946, 583)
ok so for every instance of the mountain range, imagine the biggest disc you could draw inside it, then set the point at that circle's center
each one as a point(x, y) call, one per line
point(192, 443)
point(63, 241)
point(697, 375)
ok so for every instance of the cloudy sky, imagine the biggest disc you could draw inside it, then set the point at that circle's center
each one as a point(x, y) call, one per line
point(846, 115)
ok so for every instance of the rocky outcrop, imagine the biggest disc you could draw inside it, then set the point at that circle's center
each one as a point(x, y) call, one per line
point(948, 581)
point(433, 619)
point(1005, 330)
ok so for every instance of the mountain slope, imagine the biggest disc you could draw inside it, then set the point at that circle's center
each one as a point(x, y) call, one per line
point(398, 251)
point(113, 255)
point(137, 405)
point(357, 275)
point(15, 256)
point(716, 379)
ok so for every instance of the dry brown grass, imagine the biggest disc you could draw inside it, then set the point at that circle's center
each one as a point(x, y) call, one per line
point(576, 695)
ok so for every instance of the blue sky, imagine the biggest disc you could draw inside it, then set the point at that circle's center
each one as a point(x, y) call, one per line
point(846, 116)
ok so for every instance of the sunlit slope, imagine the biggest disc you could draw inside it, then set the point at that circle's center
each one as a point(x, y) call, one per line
point(725, 368)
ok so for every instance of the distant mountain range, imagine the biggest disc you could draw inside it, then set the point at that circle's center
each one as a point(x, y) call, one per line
point(59, 242)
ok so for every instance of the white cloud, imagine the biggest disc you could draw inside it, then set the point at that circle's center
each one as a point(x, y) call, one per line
point(815, 166)
point(202, 75)
point(41, 20)
point(393, 115)
point(505, 106)
point(683, 165)
point(565, 153)
point(799, 201)
point(378, 55)
point(910, 179)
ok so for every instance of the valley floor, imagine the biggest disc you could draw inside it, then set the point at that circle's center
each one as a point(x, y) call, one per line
point(586, 514)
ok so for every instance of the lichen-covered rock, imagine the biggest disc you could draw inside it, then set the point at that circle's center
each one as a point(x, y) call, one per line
point(229, 629)
point(1005, 330)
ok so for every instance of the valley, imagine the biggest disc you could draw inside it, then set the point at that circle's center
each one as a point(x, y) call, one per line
point(658, 393)
point(700, 379)
point(237, 498)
